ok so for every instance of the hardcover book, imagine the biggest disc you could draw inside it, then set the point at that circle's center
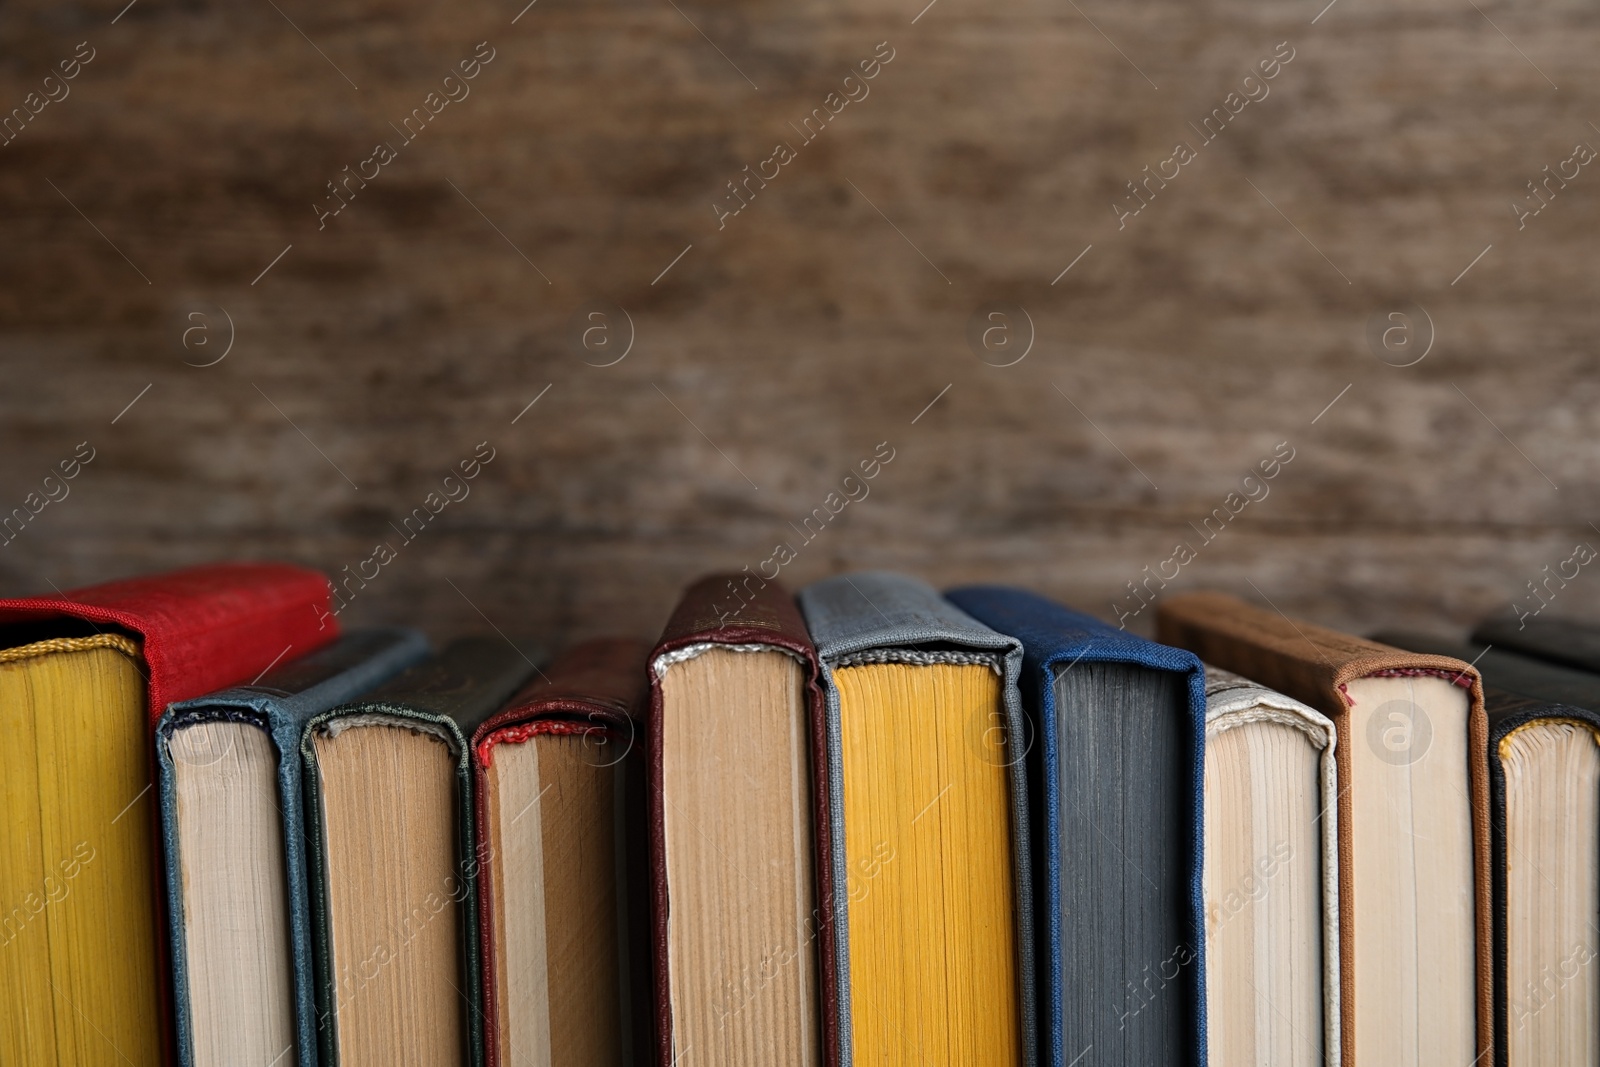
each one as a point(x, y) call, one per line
point(83, 676)
point(391, 842)
point(231, 816)
point(739, 896)
point(928, 827)
point(1271, 877)
point(1544, 801)
point(1115, 746)
point(1411, 755)
point(563, 883)
point(1564, 641)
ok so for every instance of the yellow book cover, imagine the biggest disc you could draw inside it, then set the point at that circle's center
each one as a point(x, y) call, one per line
point(932, 968)
point(77, 930)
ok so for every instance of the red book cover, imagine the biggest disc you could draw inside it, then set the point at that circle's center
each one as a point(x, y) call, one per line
point(202, 629)
point(595, 689)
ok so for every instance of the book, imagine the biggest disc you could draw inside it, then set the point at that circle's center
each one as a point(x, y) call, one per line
point(1564, 641)
point(1271, 877)
point(563, 883)
point(228, 768)
point(739, 896)
point(927, 799)
point(1117, 737)
point(392, 860)
point(83, 676)
point(1544, 802)
point(1411, 758)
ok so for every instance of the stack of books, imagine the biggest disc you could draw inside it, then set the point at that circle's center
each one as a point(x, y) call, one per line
point(869, 824)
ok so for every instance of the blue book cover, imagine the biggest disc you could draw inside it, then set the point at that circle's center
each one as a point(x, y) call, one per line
point(279, 704)
point(1117, 766)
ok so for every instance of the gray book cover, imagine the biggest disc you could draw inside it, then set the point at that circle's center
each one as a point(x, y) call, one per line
point(878, 616)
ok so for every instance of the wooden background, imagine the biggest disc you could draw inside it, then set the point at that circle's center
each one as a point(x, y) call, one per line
point(779, 351)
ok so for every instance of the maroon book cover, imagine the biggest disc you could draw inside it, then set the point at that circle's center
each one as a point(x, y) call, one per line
point(594, 689)
point(714, 610)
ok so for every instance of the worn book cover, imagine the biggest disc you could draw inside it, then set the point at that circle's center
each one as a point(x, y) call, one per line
point(1414, 876)
point(1117, 729)
point(739, 832)
point(392, 859)
point(231, 818)
point(1544, 804)
point(83, 677)
point(927, 783)
point(563, 895)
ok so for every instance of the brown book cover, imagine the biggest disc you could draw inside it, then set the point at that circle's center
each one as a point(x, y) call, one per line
point(725, 609)
point(594, 687)
point(1314, 664)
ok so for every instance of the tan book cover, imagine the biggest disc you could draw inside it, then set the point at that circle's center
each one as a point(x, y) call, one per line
point(1382, 695)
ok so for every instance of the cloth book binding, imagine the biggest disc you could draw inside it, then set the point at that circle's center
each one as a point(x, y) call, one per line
point(1232, 700)
point(1317, 665)
point(451, 694)
point(880, 612)
point(200, 629)
point(767, 620)
point(1056, 639)
point(1520, 691)
point(597, 686)
point(279, 703)
point(204, 627)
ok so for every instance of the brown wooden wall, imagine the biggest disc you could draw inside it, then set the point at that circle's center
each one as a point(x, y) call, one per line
point(793, 338)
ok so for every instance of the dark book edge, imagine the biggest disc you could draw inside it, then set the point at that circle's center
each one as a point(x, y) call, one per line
point(1099, 706)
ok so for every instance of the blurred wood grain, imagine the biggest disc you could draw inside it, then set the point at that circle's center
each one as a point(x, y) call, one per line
point(784, 343)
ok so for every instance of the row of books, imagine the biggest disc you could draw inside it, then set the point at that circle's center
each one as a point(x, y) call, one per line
point(869, 824)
